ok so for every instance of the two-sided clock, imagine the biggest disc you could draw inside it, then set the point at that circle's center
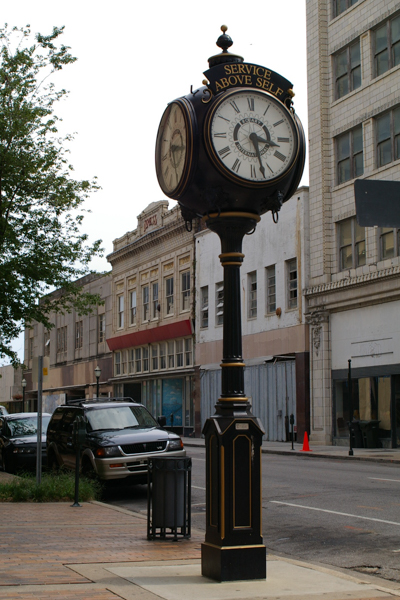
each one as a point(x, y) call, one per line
point(251, 137)
point(174, 148)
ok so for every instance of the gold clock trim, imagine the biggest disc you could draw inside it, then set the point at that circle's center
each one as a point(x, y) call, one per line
point(220, 165)
point(238, 364)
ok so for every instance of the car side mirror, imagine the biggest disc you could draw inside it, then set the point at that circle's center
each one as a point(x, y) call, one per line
point(162, 421)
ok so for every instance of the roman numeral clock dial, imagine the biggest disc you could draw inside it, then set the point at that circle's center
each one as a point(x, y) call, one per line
point(251, 137)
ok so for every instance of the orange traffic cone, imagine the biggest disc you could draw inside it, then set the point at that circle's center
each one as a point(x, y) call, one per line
point(306, 447)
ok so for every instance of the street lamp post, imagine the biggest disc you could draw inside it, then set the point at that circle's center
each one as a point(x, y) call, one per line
point(23, 383)
point(97, 372)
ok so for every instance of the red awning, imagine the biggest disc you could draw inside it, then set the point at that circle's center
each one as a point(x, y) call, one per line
point(149, 336)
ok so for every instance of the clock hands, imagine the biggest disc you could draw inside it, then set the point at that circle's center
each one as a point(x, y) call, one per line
point(263, 140)
point(255, 138)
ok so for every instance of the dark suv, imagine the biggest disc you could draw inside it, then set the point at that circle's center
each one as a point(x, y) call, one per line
point(121, 435)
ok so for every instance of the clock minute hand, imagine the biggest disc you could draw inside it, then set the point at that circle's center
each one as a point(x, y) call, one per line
point(254, 140)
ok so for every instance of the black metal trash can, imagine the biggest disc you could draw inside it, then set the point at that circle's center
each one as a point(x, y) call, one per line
point(169, 497)
point(356, 435)
point(370, 433)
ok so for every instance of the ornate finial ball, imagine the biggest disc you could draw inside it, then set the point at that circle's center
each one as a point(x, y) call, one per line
point(224, 41)
point(224, 28)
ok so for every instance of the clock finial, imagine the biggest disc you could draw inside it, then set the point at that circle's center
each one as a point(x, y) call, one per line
point(224, 42)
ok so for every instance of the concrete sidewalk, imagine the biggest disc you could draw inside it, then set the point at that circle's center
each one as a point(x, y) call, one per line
point(99, 552)
point(381, 455)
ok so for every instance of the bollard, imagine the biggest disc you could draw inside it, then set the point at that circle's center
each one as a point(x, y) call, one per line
point(291, 420)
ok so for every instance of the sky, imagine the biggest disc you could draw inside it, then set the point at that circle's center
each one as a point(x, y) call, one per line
point(135, 57)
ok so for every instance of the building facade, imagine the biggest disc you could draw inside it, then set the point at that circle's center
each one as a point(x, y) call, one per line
point(354, 289)
point(11, 389)
point(275, 333)
point(152, 316)
point(71, 351)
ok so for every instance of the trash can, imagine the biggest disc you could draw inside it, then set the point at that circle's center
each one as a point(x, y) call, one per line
point(370, 433)
point(169, 497)
point(356, 435)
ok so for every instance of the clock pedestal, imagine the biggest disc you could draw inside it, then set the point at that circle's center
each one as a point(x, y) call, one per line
point(233, 547)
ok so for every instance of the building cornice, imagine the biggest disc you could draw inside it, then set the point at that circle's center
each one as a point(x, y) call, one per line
point(352, 282)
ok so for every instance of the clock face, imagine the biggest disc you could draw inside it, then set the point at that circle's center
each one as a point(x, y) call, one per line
point(172, 149)
point(251, 137)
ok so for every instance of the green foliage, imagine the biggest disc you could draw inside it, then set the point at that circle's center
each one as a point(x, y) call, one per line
point(41, 246)
point(58, 487)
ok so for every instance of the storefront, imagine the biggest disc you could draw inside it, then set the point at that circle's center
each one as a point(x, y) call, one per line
point(369, 338)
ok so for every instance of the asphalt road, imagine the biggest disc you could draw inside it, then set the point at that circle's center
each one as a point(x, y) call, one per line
point(333, 512)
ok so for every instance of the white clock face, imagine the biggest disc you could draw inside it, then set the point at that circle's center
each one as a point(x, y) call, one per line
point(252, 136)
point(171, 148)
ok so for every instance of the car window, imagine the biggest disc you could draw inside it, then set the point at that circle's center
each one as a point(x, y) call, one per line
point(68, 418)
point(27, 426)
point(119, 417)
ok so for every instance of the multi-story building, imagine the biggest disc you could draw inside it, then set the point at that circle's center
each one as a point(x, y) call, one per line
point(354, 289)
point(71, 351)
point(152, 338)
point(11, 389)
point(275, 333)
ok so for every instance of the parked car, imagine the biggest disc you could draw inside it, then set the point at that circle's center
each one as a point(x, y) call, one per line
point(3, 411)
point(120, 436)
point(18, 440)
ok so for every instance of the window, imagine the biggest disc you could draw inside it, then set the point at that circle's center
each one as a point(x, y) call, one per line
point(188, 352)
point(340, 6)
point(131, 363)
point(46, 343)
point(78, 334)
point(387, 45)
point(349, 155)
point(132, 307)
point(348, 69)
point(171, 355)
point(204, 306)
point(120, 309)
point(271, 290)
point(351, 244)
point(291, 267)
point(388, 137)
point(154, 357)
point(102, 328)
point(179, 353)
point(117, 363)
point(138, 360)
point(169, 295)
point(145, 352)
point(62, 339)
point(163, 360)
point(30, 349)
point(146, 309)
point(389, 242)
point(252, 299)
point(155, 300)
point(219, 303)
point(185, 278)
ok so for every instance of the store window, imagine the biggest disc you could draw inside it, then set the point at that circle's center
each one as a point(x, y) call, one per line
point(347, 70)
point(138, 360)
point(387, 45)
point(388, 137)
point(154, 357)
point(163, 356)
point(188, 352)
point(351, 239)
point(145, 352)
point(349, 155)
point(179, 353)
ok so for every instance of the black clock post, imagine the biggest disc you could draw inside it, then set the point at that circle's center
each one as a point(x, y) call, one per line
point(229, 152)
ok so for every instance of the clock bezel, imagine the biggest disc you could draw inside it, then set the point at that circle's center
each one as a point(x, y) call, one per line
point(216, 160)
point(190, 120)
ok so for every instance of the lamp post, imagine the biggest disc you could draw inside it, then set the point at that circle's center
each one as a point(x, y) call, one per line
point(23, 383)
point(97, 372)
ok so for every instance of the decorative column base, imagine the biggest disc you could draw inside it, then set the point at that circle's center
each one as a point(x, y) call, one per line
point(237, 563)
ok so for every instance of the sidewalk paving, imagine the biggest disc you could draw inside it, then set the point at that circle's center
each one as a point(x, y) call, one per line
point(54, 551)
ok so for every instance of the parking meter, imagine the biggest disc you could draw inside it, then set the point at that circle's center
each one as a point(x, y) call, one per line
point(291, 421)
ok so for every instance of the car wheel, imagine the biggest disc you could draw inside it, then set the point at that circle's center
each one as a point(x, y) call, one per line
point(52, 463)
point(87, 469)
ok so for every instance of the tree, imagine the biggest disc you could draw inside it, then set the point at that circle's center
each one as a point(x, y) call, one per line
point(41, 246)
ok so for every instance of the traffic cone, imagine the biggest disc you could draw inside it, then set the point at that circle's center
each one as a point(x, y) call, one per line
point(306, 447)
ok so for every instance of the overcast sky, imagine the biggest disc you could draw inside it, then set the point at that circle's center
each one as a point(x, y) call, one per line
point(135, 57)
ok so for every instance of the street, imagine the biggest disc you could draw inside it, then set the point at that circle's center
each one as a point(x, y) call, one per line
point(334, 512)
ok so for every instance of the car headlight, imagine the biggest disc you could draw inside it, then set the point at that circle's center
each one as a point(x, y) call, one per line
point(175, 444)
point(107, 452)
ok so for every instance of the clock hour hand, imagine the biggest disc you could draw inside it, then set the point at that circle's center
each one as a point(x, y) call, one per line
point(254, 140)
point(264, 141)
